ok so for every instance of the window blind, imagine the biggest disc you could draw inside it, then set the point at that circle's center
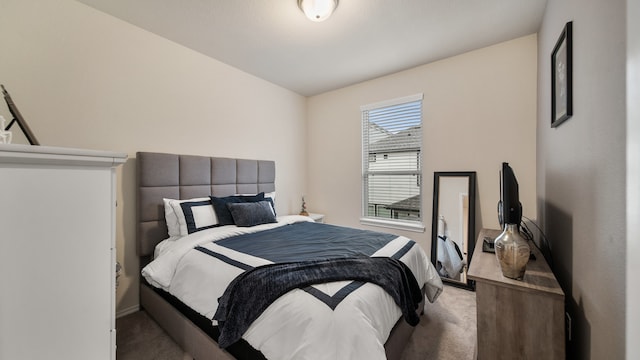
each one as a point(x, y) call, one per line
point(392, 159)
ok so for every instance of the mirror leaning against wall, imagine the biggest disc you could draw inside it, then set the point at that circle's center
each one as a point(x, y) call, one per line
point(453, 225)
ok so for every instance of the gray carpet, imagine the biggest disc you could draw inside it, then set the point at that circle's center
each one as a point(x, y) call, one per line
point(446, 331)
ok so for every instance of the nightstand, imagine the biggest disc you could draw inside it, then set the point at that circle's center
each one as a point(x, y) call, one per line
point(319, 218)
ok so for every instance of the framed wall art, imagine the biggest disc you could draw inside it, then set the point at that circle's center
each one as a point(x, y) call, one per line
point(561, 78)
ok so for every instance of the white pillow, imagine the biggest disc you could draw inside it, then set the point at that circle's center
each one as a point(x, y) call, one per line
point(171, 218)
point(175, 218)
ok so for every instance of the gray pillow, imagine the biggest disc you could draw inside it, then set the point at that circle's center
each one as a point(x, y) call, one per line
point(252, 213)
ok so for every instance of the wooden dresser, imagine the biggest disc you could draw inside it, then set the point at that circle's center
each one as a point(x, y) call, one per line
point(57, 253)
point(517, 319)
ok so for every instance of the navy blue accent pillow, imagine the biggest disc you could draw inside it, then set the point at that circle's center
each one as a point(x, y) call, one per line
point(252, 213)
point(220, 205)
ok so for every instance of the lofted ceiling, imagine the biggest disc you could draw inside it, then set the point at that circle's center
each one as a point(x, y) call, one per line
point(362, 40)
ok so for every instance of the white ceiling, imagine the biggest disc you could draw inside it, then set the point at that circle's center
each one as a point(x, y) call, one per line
point(362, 40)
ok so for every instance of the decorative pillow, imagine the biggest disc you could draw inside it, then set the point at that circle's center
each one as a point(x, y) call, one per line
point(220, 205)
point(172, 214)
point(198, 215)
point(251, 213)
point(270, 196)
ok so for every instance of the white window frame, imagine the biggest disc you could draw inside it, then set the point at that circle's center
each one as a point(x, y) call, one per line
point(365, 219)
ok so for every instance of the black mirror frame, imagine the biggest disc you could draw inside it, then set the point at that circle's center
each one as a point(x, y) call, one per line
point(471, 237)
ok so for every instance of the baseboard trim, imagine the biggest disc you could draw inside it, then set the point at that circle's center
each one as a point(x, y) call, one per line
point(126, 311)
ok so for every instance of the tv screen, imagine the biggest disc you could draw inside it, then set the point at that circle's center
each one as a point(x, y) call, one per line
point(509, 207)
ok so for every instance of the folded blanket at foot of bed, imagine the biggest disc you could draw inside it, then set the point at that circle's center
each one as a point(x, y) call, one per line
point(253, 291)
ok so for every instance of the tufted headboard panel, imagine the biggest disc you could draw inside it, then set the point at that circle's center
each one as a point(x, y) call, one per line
point(173, 176)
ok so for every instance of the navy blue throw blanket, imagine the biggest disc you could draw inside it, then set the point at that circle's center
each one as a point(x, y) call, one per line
point(253, 291)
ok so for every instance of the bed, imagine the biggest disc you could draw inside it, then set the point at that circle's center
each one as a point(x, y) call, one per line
point(186, 274)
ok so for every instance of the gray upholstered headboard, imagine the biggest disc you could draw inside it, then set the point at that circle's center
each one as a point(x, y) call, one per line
point(188, 176)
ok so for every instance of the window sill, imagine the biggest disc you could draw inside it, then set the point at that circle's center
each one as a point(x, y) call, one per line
point(400, 225)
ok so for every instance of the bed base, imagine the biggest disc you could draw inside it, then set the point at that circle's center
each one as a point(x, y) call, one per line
point(198, 344)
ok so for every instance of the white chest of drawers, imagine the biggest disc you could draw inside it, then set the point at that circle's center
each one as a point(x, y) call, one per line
point(57, 252)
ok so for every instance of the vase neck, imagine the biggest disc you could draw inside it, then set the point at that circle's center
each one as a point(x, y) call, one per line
point(511, 228)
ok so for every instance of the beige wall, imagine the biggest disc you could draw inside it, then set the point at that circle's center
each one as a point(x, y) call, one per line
point(581, 173)
point(87, 80)
point(479, 110)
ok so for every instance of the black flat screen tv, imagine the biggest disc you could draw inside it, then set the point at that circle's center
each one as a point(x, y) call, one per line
point(509, 207)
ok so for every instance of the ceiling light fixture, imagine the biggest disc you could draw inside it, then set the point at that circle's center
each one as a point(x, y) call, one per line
point(318, 10)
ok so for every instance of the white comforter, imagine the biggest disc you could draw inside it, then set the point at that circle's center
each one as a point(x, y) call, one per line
point(297, 325)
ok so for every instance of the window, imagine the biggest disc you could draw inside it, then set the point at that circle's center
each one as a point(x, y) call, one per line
point(392, 166)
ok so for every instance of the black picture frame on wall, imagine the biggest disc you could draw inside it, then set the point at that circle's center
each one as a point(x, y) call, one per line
point(561, 77)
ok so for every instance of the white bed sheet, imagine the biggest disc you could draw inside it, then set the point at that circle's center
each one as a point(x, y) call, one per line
point(297, 325)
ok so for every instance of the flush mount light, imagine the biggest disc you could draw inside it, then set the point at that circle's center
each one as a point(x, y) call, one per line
point(318, 10)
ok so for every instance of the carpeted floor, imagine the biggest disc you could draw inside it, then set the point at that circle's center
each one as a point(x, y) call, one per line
point(446, 331)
